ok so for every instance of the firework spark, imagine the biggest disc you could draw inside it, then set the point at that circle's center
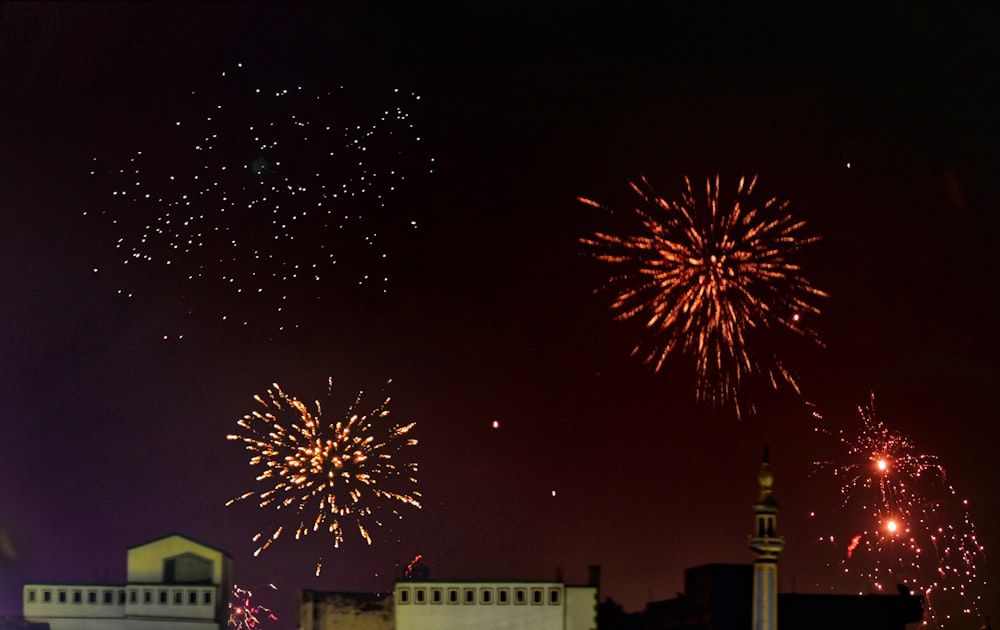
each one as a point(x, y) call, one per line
point(326, 472)
point(245, 613)
point(713, 282)
point(915, 530)
point(257, 190)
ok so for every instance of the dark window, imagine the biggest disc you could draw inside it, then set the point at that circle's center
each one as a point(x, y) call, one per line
point(503, 595)
point(92, 597)
point(436, 596)
point(163, 597)
point(121, 597)
point(421, 596)
point(470, 596)
point(536, 596)
point(108, 597)
point(404, 596)
point(46, 596)
point(62, 597)
point(452, 595)
point(486, 596)
point(192, 597)
point(77, 597)
point(133, 596)
point(208, 598)
point(178, 597)
point(31, 596)
point(147, 596)
point(520, 596)
point(554, 596)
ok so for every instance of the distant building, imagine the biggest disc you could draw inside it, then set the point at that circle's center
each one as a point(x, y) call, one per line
point(424, 604)
point(174, 583)
point(319, 610)
point(432, 605)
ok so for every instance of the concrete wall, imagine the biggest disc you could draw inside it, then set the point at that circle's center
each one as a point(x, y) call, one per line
point(319, 610)
point(581, 608)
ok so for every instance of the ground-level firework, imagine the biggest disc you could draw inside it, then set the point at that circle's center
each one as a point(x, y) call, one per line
point(713, 280)
point(245, 613)
point(900, 522)
point(330, 474)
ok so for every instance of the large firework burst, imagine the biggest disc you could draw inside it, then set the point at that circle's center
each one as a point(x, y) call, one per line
point(326, 472)
point(914, 529)
point(713, 281)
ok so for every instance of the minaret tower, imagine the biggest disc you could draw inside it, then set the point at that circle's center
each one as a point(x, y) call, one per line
point(766, 546)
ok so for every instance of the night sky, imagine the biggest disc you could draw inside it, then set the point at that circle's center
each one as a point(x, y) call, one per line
point(879, 128)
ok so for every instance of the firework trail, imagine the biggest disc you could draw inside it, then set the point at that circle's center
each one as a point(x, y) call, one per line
point(327, 473)
point(264, 196)
point(914, 530)
point(244, 613)
point(713, 281)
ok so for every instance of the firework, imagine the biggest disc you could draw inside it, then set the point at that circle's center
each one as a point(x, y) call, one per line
point(915, 529)
point(712, 281)
point(264, 197)
point(328, 473)
point(245, 613)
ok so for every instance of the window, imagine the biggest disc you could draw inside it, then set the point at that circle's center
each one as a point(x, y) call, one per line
point(554, 596)
point(486, 596)
point(147, 596)
point(62, 597)
point(536, 596)
point(46, 596)
point(77, 597)
point(108, 597)
point(121, 597)
point(437, 596)
point(520, 596)
point(91, 597)
point(163, 596)
point(178, 597)
point(470, 596)
point(421, 596)
point(192, 597)
point(207, 599)
point(31, 595)
point(133, 596)
point(404, 596)
point(503, 595)
point(452, 595)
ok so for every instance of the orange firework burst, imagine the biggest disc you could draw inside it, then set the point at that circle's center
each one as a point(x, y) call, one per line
point(713, 282)
point(332, 471)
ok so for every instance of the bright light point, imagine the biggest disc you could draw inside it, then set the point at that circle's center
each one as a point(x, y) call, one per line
point(795, 317)
point(496, 424)
point(882, 464)
point(553, 493)
point(891, 526)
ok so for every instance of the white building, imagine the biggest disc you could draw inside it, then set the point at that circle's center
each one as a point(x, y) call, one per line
point(174, 583)
point(429, 605)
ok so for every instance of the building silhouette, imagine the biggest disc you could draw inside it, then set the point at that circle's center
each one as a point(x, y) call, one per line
point(174, 583)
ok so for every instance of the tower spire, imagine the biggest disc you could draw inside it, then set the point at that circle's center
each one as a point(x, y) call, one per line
point(765, 545)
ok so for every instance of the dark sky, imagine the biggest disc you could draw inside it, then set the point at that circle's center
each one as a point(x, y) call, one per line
point(879, 127)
